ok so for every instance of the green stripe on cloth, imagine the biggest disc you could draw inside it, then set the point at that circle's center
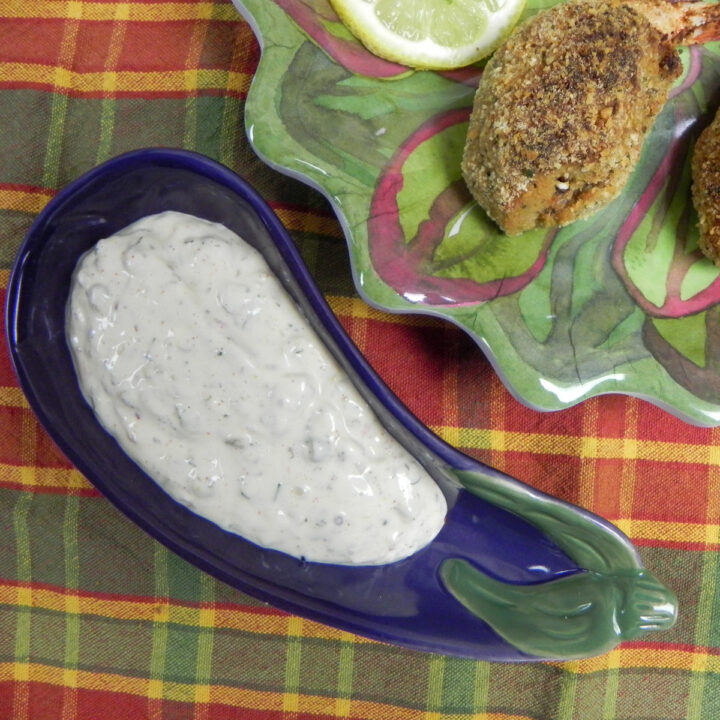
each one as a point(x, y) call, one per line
point(107, 113)
point(194, 51)
point(23, 615)
point(345, 673)
point(72, 619)
point(58, 114)
point(566, 703)
point(292, 665)
point(481, 687)
point(204, 658)
point(159, 655)
point(610, 694)
point(701, 693)
point(436, 676)
point(107, 126)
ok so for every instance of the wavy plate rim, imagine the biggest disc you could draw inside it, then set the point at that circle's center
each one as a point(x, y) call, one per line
point(512, 370)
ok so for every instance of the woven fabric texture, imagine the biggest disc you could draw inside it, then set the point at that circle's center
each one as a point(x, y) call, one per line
point(97, 620)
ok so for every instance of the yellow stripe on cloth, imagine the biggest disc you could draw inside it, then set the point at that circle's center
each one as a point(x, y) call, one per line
point(357, 308)
point(31, 477)
point(23, 200)
point(12, 396)
point(135, 11)
point(123, 81)
point(258, 700)
point(594, 448)
point(151, 610)
point(665, 658)
point(300, 221)
point(669, 531)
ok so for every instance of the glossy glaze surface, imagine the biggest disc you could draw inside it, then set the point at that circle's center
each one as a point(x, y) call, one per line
point(622, 302)
point(500, 533)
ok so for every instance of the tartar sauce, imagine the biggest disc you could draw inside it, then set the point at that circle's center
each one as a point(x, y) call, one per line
point(195, 358)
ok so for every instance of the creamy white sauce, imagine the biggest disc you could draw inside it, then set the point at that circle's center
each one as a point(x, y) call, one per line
point(195, 358)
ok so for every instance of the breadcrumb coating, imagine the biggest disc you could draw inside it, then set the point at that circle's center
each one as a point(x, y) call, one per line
point(706, 189)
point(562, 111)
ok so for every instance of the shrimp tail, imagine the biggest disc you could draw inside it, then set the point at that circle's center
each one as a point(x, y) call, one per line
point(686, 22)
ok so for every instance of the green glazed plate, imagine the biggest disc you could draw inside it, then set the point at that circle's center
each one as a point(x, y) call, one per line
point(622, 302)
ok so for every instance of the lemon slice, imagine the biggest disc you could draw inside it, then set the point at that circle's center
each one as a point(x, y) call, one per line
point(430, 34)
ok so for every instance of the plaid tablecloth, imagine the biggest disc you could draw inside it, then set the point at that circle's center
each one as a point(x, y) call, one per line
point(99, 622)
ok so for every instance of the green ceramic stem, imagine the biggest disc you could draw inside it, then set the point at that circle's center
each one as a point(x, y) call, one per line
point(578, 615)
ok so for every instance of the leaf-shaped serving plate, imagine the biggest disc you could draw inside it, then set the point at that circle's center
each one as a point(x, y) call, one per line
point(621, 302)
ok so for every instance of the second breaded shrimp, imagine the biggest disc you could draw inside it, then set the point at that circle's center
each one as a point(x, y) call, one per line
point(706, 188)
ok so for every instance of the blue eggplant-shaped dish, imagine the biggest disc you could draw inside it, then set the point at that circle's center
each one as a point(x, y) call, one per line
point(514, 575)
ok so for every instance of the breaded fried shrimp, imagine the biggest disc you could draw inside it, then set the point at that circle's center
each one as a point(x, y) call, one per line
point(564, 106)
